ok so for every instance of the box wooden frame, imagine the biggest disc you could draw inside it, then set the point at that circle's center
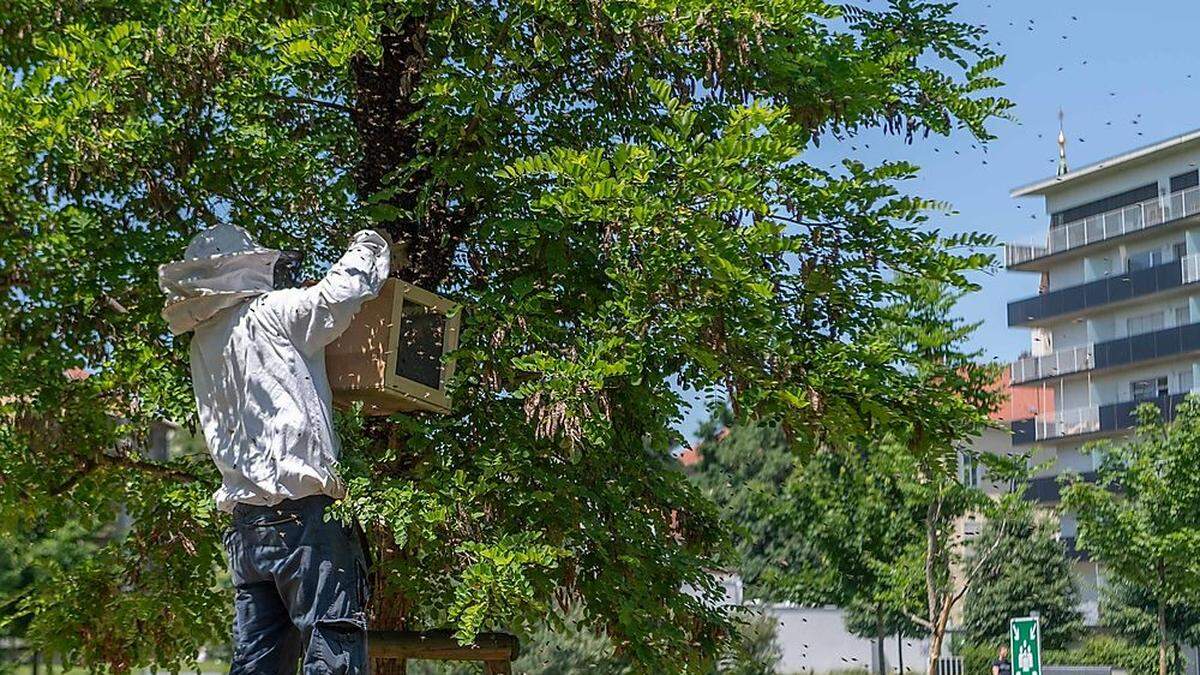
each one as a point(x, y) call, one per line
point(361, 363)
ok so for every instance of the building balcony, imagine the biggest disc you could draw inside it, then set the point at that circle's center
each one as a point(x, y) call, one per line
point(1059, 424)
point(1141, 348)
point(1110, 290)
point(1058, 363)
point(1126, 220)
point(1089, 420)
point(1145, 347)
point(1047, 490)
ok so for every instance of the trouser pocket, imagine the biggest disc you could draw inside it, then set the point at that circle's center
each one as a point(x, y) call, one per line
point(338, 646)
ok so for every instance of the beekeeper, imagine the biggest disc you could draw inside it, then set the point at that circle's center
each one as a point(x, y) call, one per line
point(258, 372)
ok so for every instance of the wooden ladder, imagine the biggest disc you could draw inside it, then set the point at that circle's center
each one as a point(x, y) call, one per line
point(496, 650)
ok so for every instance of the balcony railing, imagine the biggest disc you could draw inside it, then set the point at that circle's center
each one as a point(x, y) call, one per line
point(1190, 272)
point(1147, 346)
point(1114, 223)
point(1104, 291)
point(1061, 362)
point(1067, 423)
point(1108, 354)
point(1090, 419)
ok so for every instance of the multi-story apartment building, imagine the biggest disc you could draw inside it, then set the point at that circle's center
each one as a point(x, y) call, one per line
point(1116, 319)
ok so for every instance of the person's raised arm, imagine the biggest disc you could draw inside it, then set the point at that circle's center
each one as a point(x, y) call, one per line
point(317, 315)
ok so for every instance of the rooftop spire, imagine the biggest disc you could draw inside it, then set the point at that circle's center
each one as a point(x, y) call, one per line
point(1062, 145)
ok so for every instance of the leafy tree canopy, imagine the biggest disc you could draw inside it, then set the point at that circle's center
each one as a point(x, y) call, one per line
point(815, 530)
point(1141, 519)
point(1031, 574)
point(617, 192)
point(1131, 612)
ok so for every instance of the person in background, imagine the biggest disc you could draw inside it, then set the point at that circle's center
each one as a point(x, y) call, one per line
point(1001, 665)
point(258, 372)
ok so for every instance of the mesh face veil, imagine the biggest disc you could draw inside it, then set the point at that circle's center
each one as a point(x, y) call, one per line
point(287, 269)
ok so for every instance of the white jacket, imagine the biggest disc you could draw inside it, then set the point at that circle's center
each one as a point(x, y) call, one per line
point(258, 359)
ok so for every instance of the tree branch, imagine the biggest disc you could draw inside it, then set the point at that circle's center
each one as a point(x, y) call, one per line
point(90, 464)
point(924, 623)
point(332, 105)
point(983, 560)
point(73, 480)
point(149, 467)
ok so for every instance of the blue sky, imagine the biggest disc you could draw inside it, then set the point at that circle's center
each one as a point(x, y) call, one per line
point(1119, 62)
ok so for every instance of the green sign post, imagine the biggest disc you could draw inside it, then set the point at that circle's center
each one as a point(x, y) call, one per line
point(1025, 646)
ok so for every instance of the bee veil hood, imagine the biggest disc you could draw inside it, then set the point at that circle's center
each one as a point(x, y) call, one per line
point(222, 267)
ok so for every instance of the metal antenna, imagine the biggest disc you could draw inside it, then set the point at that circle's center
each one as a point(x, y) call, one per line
point(1062, 145)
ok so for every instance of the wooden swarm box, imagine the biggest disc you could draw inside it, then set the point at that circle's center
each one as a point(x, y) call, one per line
point(391, 356)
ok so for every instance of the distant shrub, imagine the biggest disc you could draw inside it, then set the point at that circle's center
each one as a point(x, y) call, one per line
point(1103, 650)
point(1098, 650)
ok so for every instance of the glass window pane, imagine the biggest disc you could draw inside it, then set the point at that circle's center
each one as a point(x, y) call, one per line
point(1133, 217)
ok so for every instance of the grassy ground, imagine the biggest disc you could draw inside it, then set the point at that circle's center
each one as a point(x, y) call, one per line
point(207, 668)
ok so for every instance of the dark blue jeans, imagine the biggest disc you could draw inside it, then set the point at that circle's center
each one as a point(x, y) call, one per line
point(301, 587)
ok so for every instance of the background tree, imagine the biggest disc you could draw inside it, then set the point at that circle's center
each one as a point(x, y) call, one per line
point(617, 193)
point(756, 650)
point(1031, 574)
point(28, 557)
point(1131, 612)
point(963, 391)
point(1141, 518)
point(872, 531)
point(812, 530)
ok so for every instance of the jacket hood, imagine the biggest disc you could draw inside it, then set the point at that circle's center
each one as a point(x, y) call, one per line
point(222, 267)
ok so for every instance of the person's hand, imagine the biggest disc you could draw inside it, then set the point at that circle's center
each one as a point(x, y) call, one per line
point(387, 236)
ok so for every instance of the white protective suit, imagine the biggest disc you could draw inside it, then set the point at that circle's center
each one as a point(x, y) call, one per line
point(258, 359)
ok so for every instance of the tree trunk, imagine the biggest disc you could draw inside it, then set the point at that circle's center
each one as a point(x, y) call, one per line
point(935, 652)
point(388, 143)
point(938, 635)
point(430, 220)
point(932, 554)
point(879, 636)
point(1163, 646)
point(931, 550)
point(389, 610)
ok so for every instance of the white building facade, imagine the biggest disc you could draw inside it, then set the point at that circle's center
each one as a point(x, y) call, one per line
point(1116, 319)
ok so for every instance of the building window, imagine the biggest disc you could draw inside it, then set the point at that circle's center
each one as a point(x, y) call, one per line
point(1144, 260)
point(969, 469)
point(1141, 194)
point(1184, 181)
point(971, 528)
point(1148, 390)
point(1136, 325)
point(1179, 250)
point(1184, 379)
point(1183, 315)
